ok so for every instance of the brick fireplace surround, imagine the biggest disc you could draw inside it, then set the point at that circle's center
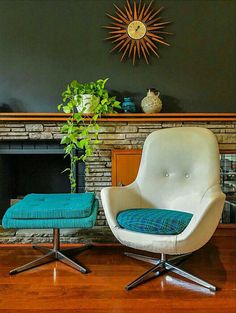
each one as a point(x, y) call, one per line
point(118, 131)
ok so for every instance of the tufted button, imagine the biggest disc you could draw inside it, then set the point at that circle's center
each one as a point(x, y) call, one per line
point(187, 175)
point(166, 175)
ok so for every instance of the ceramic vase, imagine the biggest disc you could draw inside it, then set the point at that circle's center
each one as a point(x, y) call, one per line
point(128, 105)
point(151, 103)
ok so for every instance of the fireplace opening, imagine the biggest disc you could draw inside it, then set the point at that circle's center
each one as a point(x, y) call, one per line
point(34, 167)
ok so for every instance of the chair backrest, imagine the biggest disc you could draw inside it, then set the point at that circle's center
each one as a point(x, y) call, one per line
point(178, 166)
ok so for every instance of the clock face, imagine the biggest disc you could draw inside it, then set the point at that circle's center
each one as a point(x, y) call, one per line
point(136, 30)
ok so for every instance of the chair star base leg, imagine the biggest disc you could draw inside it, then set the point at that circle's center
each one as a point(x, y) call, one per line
point(155, 271)
point(189, 276)
point(162, 266)
point(143, 258)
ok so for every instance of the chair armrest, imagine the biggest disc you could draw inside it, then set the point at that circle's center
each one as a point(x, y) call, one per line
point(211, 206)
point(204, 221)
point(116, 199)
point(211, 194)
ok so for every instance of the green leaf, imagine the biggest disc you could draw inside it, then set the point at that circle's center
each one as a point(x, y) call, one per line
point(64, 128)
point(82, 143)
point(78, 117)
point(69, 148)
point(66, 109)
point(74, 84)
point(96, 127)
point(65, 140)
point(59, 106)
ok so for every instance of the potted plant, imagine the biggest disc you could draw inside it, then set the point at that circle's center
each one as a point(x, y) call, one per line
point(80, 130)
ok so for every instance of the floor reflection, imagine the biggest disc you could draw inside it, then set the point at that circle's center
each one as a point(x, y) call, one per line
point(186, 285)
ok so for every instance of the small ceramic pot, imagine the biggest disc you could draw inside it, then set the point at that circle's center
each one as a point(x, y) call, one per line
point(128, 105)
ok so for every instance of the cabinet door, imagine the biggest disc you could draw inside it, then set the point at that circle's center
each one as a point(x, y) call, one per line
point(125, 165)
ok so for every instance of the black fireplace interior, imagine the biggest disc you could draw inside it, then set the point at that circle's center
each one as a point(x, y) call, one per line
point(34, 167)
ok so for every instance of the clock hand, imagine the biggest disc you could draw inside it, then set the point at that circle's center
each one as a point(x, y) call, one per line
point(137, 28)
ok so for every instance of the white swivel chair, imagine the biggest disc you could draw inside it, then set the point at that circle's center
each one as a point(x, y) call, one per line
point(179, 171)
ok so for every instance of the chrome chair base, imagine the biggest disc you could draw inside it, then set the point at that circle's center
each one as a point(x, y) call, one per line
point(162, 266)
point(54, 254)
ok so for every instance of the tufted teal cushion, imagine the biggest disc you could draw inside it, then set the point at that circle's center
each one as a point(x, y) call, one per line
point(53, 211)
point(49, 206)
point(84, 222)
point(154, 221)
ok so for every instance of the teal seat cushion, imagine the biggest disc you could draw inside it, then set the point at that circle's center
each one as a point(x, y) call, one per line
point(154, 221)
point(46, 206)
point(84, 222)
point(53, 211)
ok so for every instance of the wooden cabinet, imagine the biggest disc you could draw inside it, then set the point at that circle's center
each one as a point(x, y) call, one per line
point(125, 165)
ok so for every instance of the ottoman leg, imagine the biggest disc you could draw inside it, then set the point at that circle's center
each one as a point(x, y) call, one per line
point(42, 249)
point(42, 260)
point(64, 259)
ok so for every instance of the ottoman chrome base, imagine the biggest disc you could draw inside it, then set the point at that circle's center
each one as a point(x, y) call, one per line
point(54, 254)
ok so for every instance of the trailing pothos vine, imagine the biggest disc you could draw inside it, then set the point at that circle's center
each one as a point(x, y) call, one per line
point(80, 130)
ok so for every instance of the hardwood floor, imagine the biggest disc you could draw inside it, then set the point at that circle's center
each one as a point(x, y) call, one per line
point(57, 288)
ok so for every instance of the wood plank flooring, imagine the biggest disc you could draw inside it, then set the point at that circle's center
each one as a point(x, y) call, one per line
point(54, 287)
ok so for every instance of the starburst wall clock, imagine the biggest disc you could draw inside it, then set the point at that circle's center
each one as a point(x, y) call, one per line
point(137, 30)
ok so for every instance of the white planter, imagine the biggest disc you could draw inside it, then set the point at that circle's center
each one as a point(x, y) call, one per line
point(87, 103)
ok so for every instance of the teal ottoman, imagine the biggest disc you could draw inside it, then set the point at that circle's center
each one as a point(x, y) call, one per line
point(54, 211)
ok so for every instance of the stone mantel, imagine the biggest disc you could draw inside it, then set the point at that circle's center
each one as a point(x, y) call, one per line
point(122, 117)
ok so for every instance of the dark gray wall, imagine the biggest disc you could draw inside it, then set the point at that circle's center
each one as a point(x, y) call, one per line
point(46, 43)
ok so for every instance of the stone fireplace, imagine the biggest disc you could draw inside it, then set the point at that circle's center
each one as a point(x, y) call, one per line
point(33, 165)
point(119, 131)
